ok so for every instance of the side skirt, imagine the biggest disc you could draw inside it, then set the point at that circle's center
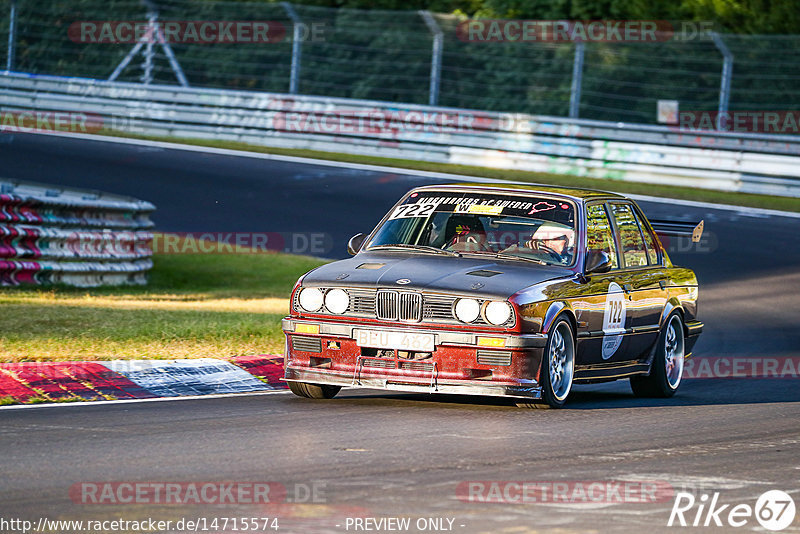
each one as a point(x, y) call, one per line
point(602, 372)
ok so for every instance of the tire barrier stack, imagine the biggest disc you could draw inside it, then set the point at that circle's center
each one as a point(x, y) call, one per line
point(767, 164)
point(50, 235)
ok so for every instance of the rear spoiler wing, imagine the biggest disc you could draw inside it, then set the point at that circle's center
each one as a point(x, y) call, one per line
point(679, 229)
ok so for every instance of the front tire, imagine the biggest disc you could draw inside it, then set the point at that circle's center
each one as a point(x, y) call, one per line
point(666, 370)
point(314, 391)
point(558, 367)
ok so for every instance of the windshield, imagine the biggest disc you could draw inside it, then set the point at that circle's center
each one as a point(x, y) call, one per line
point(528, 228)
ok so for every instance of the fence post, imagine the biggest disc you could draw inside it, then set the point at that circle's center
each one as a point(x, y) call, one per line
point(577, 80)
point(12, 30)
point(727, 75)
point(147, 68)
point(297, 47)
point(436, 56)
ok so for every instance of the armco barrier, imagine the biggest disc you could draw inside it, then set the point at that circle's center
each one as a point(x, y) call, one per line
point(747, 162)
point(50, 235)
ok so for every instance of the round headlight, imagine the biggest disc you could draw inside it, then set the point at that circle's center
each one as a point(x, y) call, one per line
point(497, 312)
point(337, 300)
point(467, 310)
point(310, 299)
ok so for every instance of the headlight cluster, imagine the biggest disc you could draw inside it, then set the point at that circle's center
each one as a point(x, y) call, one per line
point(495, 312)
point(335, 300)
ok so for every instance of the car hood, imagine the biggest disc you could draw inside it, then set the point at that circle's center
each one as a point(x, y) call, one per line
point(469, 275)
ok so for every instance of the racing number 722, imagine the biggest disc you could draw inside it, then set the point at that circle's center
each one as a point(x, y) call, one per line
point(616, 312)
point(413, 210)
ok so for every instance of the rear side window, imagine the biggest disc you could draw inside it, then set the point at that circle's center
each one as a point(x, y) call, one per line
point(631, 242)
point(649, 241)
point(599, 234)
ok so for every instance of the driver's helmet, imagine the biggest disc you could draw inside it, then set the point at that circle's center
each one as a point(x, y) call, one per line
point(466, 233)
point(555, 232)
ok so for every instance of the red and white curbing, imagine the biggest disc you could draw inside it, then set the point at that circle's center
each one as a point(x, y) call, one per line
point(138, 379)
point(30, 382)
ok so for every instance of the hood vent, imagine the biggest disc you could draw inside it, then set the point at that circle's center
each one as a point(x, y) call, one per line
point(371, 266)
point(484, 273)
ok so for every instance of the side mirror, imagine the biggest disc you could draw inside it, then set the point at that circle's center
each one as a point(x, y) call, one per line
point(355, 243)
point(597, 261)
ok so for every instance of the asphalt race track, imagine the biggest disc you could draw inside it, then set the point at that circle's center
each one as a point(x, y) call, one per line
point(382, 454)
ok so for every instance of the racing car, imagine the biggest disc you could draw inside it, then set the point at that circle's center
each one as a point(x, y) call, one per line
point(504, 290)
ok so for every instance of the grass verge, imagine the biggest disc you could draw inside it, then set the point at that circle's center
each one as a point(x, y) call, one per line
point(666, 191)
point(195, 306)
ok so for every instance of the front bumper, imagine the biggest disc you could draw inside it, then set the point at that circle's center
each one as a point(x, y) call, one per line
point(464, 387)
point(453, 366)
point(446, 337)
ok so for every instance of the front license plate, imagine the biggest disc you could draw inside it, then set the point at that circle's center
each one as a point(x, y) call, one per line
point(387, 339)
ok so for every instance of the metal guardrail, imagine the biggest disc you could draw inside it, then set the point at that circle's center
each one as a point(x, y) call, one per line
point(50, 235)
point(746, 162)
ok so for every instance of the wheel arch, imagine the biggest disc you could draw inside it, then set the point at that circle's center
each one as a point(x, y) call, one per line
point(556, 310)
point(672, 305)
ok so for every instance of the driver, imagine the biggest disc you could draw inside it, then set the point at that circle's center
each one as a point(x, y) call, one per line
point(554, 240)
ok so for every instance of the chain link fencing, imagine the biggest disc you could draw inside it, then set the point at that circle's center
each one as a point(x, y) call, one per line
point(405, 56)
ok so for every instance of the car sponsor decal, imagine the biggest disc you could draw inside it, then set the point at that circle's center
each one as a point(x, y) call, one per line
point(614, 316)
point(542, 206)
point(480, 209)
point(407, 211)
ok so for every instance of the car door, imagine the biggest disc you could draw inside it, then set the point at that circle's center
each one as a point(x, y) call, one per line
point(601, 310)
point(641, 276)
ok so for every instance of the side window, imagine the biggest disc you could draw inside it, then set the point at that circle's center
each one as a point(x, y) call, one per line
point(599, 234)
point(649, 241)
point(633, 250)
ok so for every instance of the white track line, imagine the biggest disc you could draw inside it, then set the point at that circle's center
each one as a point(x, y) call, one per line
point(744, 210)
point(131, 401)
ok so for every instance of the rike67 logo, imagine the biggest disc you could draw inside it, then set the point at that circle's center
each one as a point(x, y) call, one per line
point(774, 510)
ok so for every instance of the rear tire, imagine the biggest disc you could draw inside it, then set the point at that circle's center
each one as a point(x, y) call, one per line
point(666, 370)
point(558, 367)
point(314, 391)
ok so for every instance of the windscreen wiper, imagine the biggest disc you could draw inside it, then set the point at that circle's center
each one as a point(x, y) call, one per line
point(505, 256)
point(421, 248)
point(515, 257)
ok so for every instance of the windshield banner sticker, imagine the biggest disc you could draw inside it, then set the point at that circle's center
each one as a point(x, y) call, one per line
point(482, 204)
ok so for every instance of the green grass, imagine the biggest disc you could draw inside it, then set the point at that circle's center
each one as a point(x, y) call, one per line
point(667, 191)
point(195, 306)
point(8, 401)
